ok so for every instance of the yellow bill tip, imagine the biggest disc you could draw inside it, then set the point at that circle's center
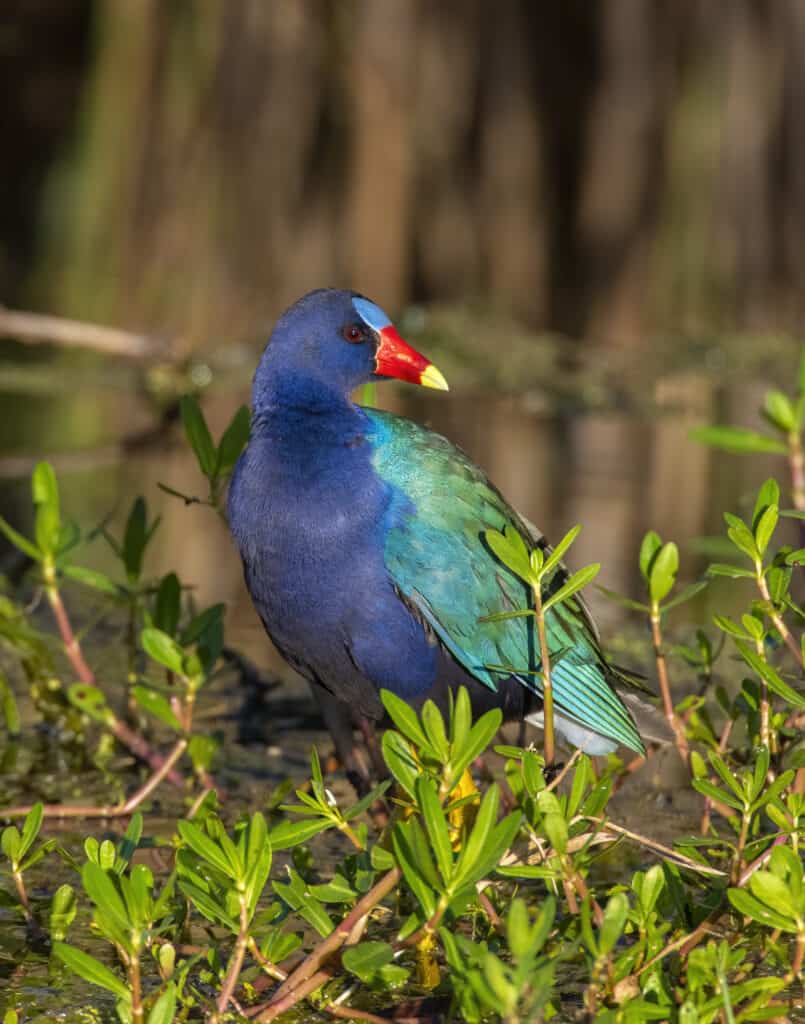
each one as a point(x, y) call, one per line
point(432, 377)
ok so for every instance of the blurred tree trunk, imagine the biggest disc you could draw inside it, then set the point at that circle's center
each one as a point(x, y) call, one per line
point(623, 177)
point(598, 169)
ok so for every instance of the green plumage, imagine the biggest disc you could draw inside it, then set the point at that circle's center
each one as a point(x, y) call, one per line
point(434, 549)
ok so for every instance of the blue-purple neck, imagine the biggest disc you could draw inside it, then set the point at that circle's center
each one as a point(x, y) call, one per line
point(301, 410)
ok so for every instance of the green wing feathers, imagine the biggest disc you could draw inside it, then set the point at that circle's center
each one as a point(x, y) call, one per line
point(435, 551)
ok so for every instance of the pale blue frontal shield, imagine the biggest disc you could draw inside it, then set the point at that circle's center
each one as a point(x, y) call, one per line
point(372, 315)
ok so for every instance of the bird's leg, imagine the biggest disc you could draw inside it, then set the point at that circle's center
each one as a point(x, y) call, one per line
point(338, 720)
point(369, 733)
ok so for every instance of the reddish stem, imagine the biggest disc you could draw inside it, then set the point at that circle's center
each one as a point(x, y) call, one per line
point(665, 687)
point(337, 937)
point(72, 648)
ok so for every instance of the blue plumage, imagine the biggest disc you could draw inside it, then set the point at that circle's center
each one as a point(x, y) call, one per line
point(361, 536)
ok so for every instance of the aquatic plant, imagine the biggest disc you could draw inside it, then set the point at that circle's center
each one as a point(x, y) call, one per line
point(483, 904)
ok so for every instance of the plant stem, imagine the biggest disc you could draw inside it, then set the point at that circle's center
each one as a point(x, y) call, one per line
point(708, 802)
point(137, 1013)
point(347, 1013)
point(19, 884)
point(334, 940)
point(739, 850)
point(775, 616)
point(72, 648)
point(545, 669)
point(765, 734)
point(270, 969)
point(278, 1006)
point(235, 963)
point(665, 688)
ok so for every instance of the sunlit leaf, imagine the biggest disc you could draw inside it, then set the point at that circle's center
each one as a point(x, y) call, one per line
point(738, 441)
point(92, 970)
point(577, 582)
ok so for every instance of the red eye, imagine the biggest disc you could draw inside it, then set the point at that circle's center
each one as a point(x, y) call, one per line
point(352, 333)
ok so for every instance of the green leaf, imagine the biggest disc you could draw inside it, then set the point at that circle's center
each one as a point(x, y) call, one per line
point(615, 914)
point(366, 959)
point(293, 833)
point(198, 434)
point(480, 736)
point(436, 824)
point(30, 828)
point(164, 1009)
point(10, 843)
point(779, 411)
point(91, 970)
point(381, 860)
point(556, 553)
point(233, 441)
point(765, 528)
point(577, 582)
point(748, 905)
point(20, 542)
point(722, 770)
point(91, 578)
point(662, 574)
point(200, 626)
point(45, 493)
point(460, 719)
point(206, 905)
point(509, 548)
point(433, 724)
point(775, 894)
point(168, 604)
point(400, 760)
point(706, 788)
point(686, 594)
point(741, 536)
point(404, 717)
point(136, 536)
point(732, 571)
point(624, 602)
point(471, 856)
point(63, 909)
point(732, 628)
point(419, 872)
point(104, 894)
point(202, 749)
point(90, 701)
point(650, 546)
point(795, 557)
point(765, 671)
point(206, 848)
point(157, 705)
point(555, 828)
point(768, 494)
point(162, 648)
point(738, 441)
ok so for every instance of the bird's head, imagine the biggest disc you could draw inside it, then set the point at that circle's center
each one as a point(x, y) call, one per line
point(339, 340)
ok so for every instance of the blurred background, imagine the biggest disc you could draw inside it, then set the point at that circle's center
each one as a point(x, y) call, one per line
point(590, 215)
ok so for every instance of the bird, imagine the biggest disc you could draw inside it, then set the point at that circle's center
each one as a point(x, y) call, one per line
point(363, 541)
